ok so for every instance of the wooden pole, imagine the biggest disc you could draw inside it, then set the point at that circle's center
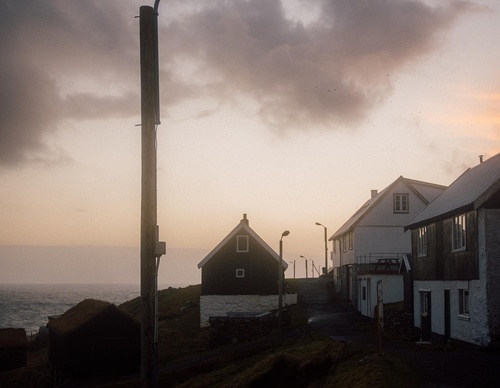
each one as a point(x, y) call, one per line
point(380, 317)
point(149, 85)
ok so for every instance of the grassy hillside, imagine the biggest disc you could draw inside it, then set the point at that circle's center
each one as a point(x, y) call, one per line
point(306, 360)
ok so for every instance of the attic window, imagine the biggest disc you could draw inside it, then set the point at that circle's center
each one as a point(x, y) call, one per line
point(241, 243)
point(401, 204)
point(240, 273)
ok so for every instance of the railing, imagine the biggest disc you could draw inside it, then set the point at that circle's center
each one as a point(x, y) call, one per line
point(379, 262)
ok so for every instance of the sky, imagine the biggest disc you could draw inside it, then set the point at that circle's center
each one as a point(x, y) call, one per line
point(289, 112)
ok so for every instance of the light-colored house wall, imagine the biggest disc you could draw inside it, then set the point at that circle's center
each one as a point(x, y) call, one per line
point(381, 239)
point(392, 291)
point(468, 329)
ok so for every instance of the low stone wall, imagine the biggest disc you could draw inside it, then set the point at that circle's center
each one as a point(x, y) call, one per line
point(222, 305)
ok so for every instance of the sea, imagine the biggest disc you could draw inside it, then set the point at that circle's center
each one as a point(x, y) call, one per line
point(28, 306)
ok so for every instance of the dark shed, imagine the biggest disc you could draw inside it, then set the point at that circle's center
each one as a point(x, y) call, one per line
point(241, 264)
point(93, 338)
point(13, 349)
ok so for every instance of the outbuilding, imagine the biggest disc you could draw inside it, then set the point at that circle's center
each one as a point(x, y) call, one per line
point(93, 338)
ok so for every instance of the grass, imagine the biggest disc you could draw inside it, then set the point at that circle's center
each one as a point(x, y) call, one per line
point(307, 360)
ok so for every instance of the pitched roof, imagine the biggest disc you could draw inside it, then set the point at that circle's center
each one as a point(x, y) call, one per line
point(243, 225)
point(370, 204)
point(468, 192)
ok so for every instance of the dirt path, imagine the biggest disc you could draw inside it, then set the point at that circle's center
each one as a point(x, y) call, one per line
point(436, 367)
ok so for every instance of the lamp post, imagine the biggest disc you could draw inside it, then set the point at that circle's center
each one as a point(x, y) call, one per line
point(280, 280)
point(326, 247)
point(305, 258)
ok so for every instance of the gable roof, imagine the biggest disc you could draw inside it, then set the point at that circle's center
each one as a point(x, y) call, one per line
point(243, 225)
point(412, 185)
point(468, 192)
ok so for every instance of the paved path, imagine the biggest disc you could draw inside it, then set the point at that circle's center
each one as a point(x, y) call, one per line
point(437, 368)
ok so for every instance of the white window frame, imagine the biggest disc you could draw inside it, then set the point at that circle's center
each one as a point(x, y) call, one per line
point(242, 243)
point(459, 233)
point(463, 303)
point(240, 273)
point(422, 241)
point(401, 203)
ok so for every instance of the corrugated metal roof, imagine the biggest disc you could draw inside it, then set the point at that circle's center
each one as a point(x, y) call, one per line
point(467, 192)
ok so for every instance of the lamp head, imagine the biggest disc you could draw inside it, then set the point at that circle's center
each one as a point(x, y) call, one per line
point(285, 233)
point(317, 223)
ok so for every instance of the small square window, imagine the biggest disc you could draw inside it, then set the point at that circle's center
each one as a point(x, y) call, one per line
point(240, 273)
point(401, 204)
point(242, 244)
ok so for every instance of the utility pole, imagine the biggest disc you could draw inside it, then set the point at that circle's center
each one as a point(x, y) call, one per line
point(151, 248)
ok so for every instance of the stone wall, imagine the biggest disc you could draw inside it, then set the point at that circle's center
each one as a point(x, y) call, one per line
point(221, 305)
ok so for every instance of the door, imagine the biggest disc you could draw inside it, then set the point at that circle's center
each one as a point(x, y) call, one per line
point(447, 316)
point(425, 315)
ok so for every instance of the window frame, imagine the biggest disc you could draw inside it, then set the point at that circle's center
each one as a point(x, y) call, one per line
point(422, 241)
point(242, 237)
point(463, 303)
point(351, 241)
point(459, 233)
point(240, 273)
point(397, 203)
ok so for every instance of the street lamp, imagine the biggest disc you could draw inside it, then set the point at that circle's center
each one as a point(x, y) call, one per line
point(280, 280)
point(326, 248)
point(305, 258)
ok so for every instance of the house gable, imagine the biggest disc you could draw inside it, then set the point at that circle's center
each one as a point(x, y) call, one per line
point(379, 210)
point(241, 264)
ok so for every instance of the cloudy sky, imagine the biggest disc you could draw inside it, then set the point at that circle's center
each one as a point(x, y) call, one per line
point(288, 111)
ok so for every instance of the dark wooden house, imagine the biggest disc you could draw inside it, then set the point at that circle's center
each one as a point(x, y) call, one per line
point(239, 275)
point(13, 349)
point(93, 338)
point(456, 260)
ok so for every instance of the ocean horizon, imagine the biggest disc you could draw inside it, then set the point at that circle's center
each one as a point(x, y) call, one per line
point(28, 305)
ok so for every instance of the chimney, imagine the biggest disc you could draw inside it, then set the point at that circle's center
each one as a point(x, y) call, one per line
point(374, 193)
point(481, 158)
point(245, 219)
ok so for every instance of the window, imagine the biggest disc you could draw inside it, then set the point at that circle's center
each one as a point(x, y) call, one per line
point(401, 204)
point(241, 243)
point(343, 243)
point(463, 300)
point(425, 302)
point(240, 273)
point(350, 241)
point(334, 246)
point(422, 241)
point(364, 292)
point(458, 233)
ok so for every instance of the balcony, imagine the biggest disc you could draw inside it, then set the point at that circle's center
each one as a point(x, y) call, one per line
point(380, 263)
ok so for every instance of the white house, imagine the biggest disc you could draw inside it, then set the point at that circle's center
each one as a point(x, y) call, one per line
point(456, 260)
point(370, 246)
